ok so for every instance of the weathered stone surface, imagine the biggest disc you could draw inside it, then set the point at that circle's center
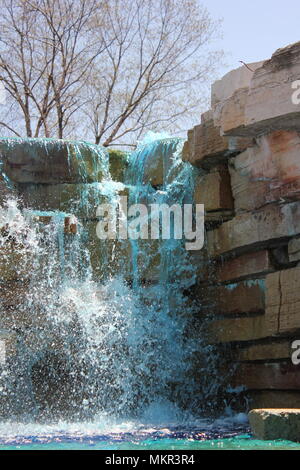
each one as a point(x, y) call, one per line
point(52, 161)
point(264, 104)
point(294, 250)
point(260, 352)
point(267, 172)
point(259, 228)
point(280, 295)
point(234, 80)
point(214, 190)
point(273, 376)
point(206, 147)
point(273, 399)
point(271, 424)
point(283, 301)
point(269, 103)
point(81, 200)
point(229, 115)
point(237, 329)
point(238, 298)
point(248, 265)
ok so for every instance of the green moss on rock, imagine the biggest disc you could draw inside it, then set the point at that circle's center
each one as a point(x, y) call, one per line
point(118, 162)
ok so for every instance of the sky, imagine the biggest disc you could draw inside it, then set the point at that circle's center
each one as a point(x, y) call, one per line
point(254, 29)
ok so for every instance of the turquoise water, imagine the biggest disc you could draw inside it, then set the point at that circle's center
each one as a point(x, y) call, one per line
point(242, 442)
point(222, 434)
point(125, 342)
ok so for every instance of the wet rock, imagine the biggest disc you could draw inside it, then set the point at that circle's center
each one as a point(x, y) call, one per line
point(81, 200)
point(271, 424)
point(282, 301)
point(118, 163)
point(51, 161)
point(294, 250)
point(238, 298)
point(260, 376)
point(237, 330)
point(245, 266)
point(269, 351)
point(7, 189)
point(273, 399)
point(151, 163)
point(13, 263)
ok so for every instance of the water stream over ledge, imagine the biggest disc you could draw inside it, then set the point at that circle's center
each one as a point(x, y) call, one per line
point(104, 331)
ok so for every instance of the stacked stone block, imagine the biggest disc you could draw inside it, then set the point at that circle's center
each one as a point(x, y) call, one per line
point(247, 149)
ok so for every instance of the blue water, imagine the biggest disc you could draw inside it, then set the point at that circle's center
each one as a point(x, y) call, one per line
point(124, 350)
point(157, 440)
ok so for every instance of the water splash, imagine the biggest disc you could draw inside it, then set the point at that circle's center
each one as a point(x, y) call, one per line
point(90, 345)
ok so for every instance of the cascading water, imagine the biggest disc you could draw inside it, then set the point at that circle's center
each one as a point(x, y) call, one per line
point(125, 344)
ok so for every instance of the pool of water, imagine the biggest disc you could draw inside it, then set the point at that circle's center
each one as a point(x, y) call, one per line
point(208, 436)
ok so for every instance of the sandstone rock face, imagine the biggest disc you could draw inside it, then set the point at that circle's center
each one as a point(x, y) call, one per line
point(294, 250)
point(265, 226)
point(271, 424)
point(264, 104)
point(236, 79)
point(50, 161)
point(267, 172)
point(214, 190)
point(264, 352)
point(283, 301)
point(253, 130)
point(246, 266)
point(269, 104)
point(276, 376)
point(273, 399)
point(236, 330)
point(229, 115)
point(206, 147)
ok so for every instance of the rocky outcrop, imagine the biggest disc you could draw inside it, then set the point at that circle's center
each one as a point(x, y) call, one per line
point(50, 161)
point(252, 133)
point(270, 424)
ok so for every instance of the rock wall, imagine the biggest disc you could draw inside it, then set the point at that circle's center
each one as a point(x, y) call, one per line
point(247, 149)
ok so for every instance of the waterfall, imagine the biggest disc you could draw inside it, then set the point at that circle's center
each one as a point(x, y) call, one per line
point(98, 328)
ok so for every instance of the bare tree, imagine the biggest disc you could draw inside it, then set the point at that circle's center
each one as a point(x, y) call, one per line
point(152, 74)
point(46, 50)
point(103, 70)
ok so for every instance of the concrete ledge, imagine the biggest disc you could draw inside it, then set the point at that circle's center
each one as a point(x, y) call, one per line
point(277, 423)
